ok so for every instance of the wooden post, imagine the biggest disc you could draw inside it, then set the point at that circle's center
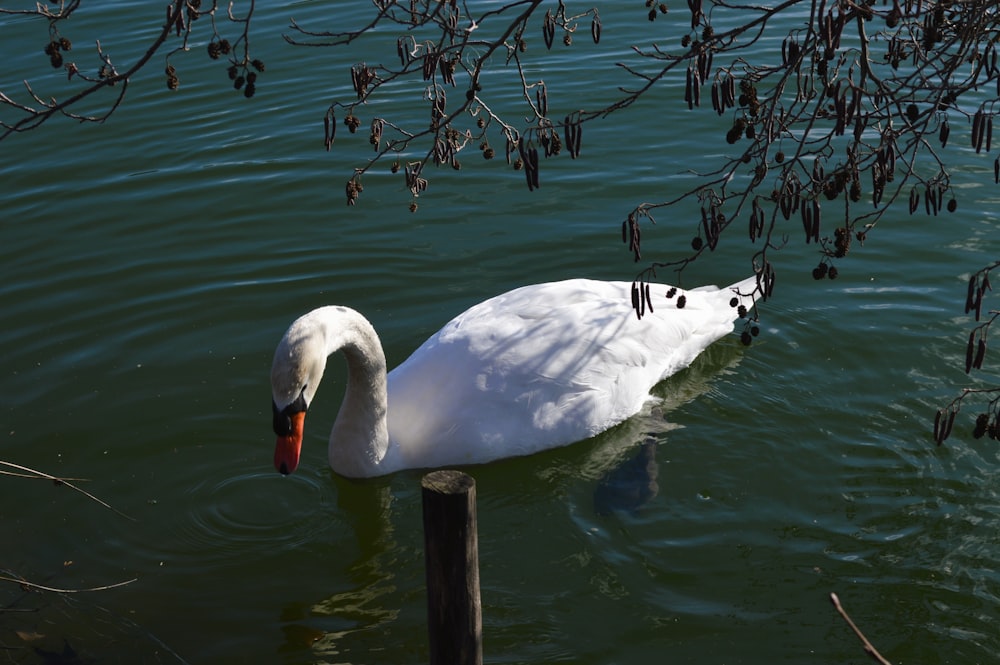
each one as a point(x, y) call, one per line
point(451, 554)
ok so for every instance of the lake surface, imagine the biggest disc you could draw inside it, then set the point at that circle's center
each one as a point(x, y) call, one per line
point(150, 265)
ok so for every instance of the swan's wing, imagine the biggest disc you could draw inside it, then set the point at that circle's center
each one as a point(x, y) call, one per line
point(543, 366)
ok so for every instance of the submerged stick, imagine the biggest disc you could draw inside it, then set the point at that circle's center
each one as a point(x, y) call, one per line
point(32, 473)
point(869, 647)
point(40, 587)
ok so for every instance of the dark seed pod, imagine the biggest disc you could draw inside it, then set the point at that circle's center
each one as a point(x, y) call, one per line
point(977, 362)
point(815, 219)
point(734, 301)
point(689, 88)
point(746, 338)
point(649, 301)
point(937, 427)
point(914, 200)
point(944, 132)
point(978, 127)
point(970, 295)
point(681, 301)
point(969, 351)
point(595, 29)
point(982, 425)
point(741, 311)
point(948, 424)
point(548, 29)
point(636, 306)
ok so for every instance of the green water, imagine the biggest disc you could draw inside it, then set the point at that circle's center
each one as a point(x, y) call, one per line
point(151, 263)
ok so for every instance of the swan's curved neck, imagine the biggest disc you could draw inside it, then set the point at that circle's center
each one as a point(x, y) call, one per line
point(360, 436)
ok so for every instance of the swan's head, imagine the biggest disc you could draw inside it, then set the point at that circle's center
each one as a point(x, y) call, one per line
point(298, 366)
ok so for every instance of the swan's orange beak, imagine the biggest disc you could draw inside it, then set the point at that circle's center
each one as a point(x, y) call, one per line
point(289, 446)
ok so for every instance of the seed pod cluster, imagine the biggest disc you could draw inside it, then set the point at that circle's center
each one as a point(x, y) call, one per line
point(756, 226)
point(548, 137)
point(750, 330)
point(404, 49)
point(361, 77)
point(429, 64)
point(944, 419)
point(790, 51)
point(765, 280)
point(439, 102)
point(53, 48)
point(375, 136)
point(847, 110)
point(712, 223)
point(810, 219)
point(830, 29)
point(548, 29)
point(172, 81)
point(640, 298)
point(841, 241)
point(789, 197)
point(692, 87)
point(353, 190)
point(573, 129)
point(748, 97)
point(632, 235)
point(541, 99)
point(934, 199)
point(696, 12)
point(595, 28)
point(414, 182)
point(447, 67)
point(529, 158)
point(329, 128)
point(979, 284)
point(975, 350)
point(988, 423)
point(723, 93)
point(982, 130)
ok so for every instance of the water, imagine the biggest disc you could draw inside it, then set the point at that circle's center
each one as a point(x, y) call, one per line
point(151, 264)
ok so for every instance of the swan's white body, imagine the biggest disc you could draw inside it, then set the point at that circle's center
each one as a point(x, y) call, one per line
point(538, 367)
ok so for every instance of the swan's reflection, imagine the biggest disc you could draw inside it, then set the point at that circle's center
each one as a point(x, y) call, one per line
point(631, 485)
point(364, 607)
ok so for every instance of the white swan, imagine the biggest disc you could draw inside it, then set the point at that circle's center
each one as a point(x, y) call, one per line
point(538, 367)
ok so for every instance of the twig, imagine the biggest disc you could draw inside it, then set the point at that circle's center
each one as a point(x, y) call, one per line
point(63, 481)
point(869, 647)
point(23, 582)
